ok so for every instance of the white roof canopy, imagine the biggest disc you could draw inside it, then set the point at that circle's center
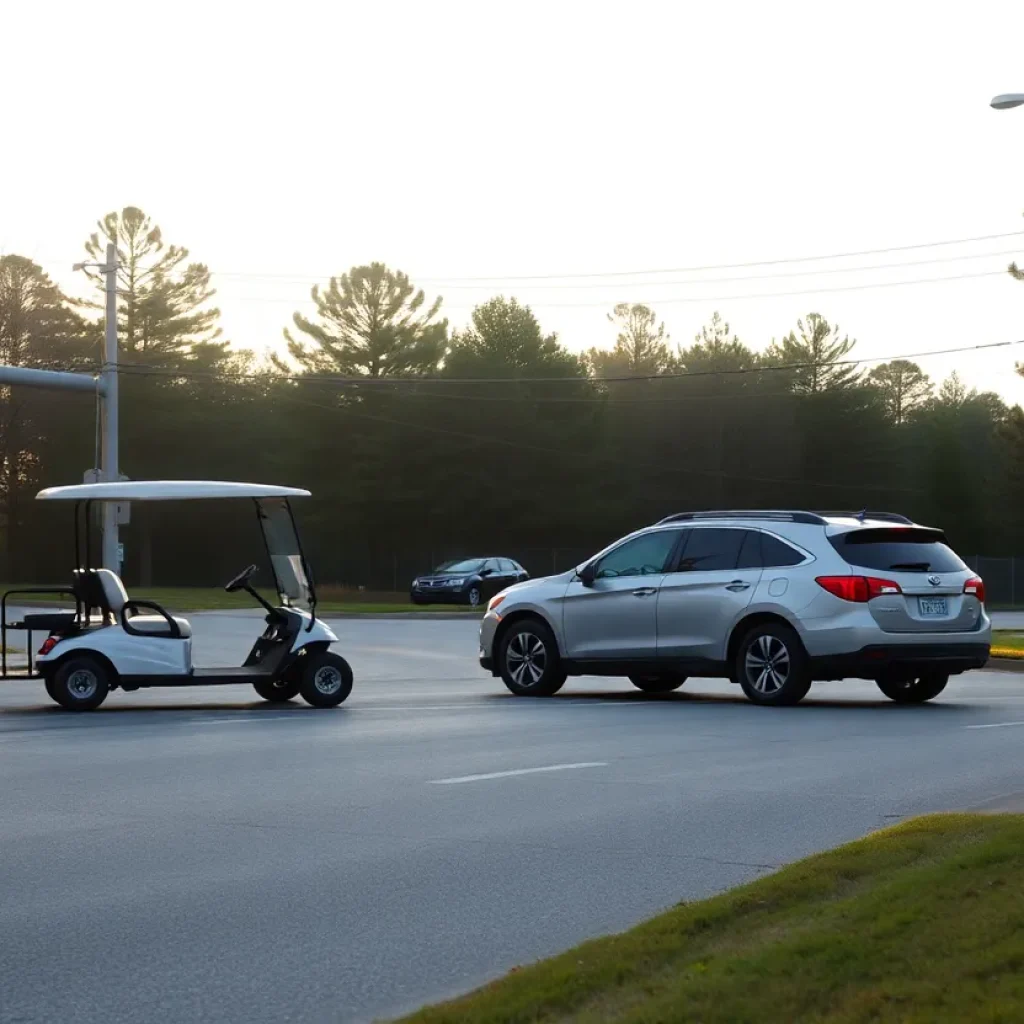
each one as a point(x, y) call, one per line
point(167, 490)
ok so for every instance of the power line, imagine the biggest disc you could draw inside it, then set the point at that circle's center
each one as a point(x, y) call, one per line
point(775, 277)
point(676, 300)
point(149, 370)
point(496, 279)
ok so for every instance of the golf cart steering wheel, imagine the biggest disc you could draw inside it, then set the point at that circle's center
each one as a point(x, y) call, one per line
point(241, 579)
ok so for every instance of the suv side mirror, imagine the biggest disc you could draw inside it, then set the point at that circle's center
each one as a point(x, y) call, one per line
point(587, 575)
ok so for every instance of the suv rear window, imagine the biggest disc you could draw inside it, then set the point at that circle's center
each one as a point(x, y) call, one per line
point(898, 550)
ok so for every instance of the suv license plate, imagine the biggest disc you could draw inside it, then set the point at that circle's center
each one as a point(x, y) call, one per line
point(933, 607)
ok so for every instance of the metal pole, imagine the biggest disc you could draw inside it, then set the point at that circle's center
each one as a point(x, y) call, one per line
point(110, 414)
point(55, 379)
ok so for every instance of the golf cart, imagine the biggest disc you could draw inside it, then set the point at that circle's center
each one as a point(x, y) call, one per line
point(111, 641)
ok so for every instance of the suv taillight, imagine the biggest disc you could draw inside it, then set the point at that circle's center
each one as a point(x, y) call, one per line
point(859, 589)
point(976, 587)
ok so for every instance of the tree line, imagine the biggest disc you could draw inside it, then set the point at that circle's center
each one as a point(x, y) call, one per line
point(420, 440)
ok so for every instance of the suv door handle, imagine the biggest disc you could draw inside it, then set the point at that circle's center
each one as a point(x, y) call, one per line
point(644, 592)
point(737, 585)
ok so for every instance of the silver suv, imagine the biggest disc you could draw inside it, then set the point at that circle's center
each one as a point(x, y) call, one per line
point(770, 600)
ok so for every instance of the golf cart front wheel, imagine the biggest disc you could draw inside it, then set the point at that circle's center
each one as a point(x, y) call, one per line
point(325, 679)
point(276, 690)
point(80, 684)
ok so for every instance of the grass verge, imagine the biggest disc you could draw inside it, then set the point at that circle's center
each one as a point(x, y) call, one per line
point(923, 922)
point(1007, 644)
point(332, 599)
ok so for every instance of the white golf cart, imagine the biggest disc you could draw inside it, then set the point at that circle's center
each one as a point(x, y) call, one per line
point(111, 641)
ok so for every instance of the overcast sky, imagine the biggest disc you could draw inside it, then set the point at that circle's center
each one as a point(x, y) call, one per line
point(284, 143)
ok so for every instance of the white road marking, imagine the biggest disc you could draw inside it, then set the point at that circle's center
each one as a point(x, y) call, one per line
point(994, 725)
point(517, 771)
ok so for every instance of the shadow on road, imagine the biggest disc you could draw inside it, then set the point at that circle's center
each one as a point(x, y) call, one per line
point(807, 704)
point(261, 708)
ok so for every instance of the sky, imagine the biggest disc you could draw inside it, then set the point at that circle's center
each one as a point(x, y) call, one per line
point(531, 144)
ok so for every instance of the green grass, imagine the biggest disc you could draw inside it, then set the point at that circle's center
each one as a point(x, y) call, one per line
point(201, 599)
point(920, 923)
point(1007, 643)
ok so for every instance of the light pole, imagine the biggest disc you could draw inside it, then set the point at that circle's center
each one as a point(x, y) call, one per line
point(109, 453)
point(1007, 100)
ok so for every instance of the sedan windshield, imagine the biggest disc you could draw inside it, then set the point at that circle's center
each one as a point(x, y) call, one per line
point(467, 565)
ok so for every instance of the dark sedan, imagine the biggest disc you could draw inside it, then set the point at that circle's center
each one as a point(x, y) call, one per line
point(470, 581)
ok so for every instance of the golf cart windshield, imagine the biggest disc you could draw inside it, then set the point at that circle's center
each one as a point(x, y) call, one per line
point(294, 586)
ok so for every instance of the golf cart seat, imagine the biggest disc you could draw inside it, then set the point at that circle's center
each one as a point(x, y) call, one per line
point(118, 602)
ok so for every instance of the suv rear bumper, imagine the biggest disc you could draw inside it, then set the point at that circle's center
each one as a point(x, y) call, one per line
point(881, 659)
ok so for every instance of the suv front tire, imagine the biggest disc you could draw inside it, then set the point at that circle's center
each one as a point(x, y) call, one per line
point(528, 660)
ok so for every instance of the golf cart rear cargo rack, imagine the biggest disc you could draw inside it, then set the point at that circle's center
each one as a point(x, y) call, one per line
point(35, 622)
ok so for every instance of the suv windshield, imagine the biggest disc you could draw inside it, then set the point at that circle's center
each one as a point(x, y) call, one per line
point(466, 565)
point(898, 550)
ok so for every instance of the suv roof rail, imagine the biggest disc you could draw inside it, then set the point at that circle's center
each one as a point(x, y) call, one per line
point(866, 513)
point(778, 515)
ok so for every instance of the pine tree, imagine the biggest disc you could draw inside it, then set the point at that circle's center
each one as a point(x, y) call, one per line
point(163, 314)
point(641, 345)
point(817, 355)
point(903, 387)
point(372, 323)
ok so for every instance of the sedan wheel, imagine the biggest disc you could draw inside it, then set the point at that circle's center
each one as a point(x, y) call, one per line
point(474, 597)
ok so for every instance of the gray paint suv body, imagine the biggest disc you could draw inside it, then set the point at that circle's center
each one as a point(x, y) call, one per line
point(670, 614)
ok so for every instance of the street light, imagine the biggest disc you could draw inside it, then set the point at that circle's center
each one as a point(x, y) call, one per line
point(1007, 100)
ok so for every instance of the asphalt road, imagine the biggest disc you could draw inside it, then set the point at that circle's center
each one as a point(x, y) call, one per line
point(196, 855)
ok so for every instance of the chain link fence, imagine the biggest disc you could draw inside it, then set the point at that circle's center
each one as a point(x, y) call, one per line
point(1004, 577)
point(394, 572)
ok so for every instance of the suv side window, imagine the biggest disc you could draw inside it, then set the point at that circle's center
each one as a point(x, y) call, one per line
point(712, 548)
point(776, 554)
point(642, 556)
point(751, 552)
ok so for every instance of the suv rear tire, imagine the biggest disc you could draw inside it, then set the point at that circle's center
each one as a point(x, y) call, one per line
point(528, 660)
point(657, 684)
point(914, 691)
point(771, 665)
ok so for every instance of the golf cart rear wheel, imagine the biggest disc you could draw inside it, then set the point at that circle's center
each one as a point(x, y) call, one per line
point(325, 679)
point(80, 683)
point(277, 690)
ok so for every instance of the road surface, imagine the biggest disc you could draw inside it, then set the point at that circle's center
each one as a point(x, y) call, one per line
point(197, 855)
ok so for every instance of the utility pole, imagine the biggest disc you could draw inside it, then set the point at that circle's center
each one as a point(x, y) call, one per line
point(105, 387)
point(111, 547)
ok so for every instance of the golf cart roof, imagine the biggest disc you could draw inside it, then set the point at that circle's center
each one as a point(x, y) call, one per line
point(167, 490)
